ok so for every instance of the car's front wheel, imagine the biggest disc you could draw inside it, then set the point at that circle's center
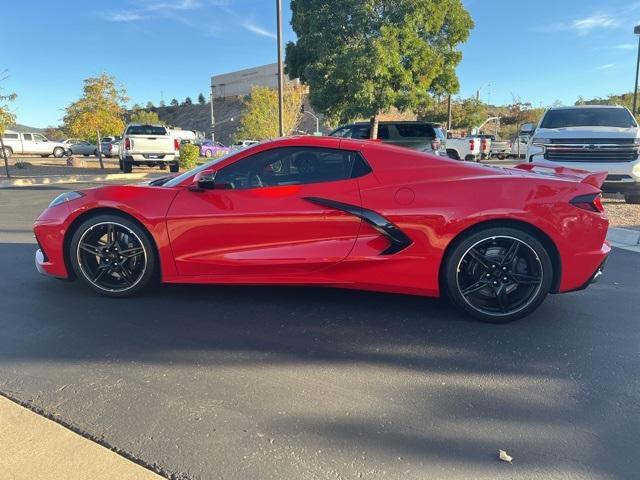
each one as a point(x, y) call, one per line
point(113, 255)
point(498, 274)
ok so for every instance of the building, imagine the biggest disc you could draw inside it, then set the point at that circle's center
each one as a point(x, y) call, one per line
point(239, 83)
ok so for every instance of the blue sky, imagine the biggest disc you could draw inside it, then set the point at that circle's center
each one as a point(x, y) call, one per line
point(546, 51)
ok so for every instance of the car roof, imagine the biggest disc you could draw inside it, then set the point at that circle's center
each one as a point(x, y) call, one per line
point(394, 122)
point(572, 107)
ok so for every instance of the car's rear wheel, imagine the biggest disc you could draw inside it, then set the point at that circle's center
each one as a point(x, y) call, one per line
point(208, 153)
point(127, 167)
point(58, 152)
point(498, 274)
point(7, 153)
point(113, 256)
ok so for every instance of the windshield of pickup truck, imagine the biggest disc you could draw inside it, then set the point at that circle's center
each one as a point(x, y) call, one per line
point(588, 117)
point(146, 130)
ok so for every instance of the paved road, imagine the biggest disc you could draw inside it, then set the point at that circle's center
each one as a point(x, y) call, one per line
point(237, 383)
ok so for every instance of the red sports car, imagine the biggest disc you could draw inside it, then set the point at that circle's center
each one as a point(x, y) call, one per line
point(341, 213)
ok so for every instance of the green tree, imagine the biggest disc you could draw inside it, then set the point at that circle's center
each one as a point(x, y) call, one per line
point(201, 99)
point(469, 113)
point(145, 116)
point(174, 103)
point(54, 133)
point(260, 118)
point(7, 119)
point(98, 112)
point(188, 101)
point(362, 57)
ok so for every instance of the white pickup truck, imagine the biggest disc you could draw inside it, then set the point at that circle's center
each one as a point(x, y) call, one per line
point(151, 145)
point(467, 148)
point(596, 138)
point(30, 143)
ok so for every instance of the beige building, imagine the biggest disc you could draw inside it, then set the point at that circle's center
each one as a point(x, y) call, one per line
point(239, 83)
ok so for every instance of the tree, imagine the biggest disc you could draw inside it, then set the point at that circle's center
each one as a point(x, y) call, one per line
point(98, 112)
point(260, 119)
point(174, 103)
point(145, 116)
point(188, 101)
point(7, 119)
point(362, 57)
point(201, 99)
point(54, 133)
point(470, 113)
point(150, 105)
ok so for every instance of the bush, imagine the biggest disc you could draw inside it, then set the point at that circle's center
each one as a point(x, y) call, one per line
point(189, 156)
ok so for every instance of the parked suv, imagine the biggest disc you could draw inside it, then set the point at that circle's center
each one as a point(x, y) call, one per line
point(594, 138)
point(423, 136)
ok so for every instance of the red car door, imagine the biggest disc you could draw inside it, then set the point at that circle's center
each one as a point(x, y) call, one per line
point(263, 217)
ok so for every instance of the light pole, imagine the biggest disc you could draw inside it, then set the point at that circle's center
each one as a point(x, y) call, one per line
point(636, 30)
point(280, 68)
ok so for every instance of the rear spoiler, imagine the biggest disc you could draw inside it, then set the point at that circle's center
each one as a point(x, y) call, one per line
point(595, 179)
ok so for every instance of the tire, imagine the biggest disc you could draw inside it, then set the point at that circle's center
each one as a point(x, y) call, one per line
point(500, 286)
point(208, 153)
point(632, 199)
point(44, 156)
point(174, 167)
point(8, 153)
point(500, 156)
point(85, 154)
point(107, 269)
point(120, 166)
point(451, 153)
point(58, 152)
point(127, 166)
point(95, 153)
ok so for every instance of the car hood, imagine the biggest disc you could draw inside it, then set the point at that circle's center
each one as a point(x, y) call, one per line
point(587, 132)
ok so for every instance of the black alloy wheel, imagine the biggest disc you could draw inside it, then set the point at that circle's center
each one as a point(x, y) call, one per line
point(113, 255)
point(499, 275)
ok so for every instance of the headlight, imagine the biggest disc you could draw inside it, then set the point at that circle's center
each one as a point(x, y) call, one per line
point(540, 142)
point(65, 197)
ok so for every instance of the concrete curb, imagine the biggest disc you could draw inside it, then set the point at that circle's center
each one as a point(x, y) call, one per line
point(59, 179)
point(624, 236)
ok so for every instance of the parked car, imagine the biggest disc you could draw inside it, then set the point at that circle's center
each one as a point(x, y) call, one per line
point(185, 136)
point(209, 148)
point(110, 146)
point(465, 148)
point(596, 138)
point(519, 147)
point(82, 147)
point(31, 143)
point(240, 144)
point(497, 148)
point(151, 145)
point(422, 136)
point(342, 213)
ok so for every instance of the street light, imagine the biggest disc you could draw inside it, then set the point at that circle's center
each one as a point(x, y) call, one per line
point(280, 68)
point(636, 30)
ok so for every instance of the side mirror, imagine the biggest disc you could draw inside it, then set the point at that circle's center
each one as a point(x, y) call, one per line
point(204, 181)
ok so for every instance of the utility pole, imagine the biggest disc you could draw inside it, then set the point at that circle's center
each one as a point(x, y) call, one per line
point(449, 113)
point(280, 70)
point(636, 30)
point(213, 119)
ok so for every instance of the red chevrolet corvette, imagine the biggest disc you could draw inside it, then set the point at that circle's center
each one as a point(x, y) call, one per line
point(341, 213)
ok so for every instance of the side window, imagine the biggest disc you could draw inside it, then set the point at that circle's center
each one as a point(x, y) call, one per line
point(415, 130)
point(292, 166)
point(361, 132)
point(39, 138)
point(344, 132)
point(10, 136)
point(27, 137)
point(383, 132)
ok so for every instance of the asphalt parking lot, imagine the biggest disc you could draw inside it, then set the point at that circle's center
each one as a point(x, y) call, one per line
point(236, 383)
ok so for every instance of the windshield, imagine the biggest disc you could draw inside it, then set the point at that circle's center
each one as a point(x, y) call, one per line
point(180, 178)
point(588, 117)
point(146, 130)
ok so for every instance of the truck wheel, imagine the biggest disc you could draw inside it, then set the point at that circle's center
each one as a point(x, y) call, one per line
point(471, 158)
point(633, 199)
point(8, 152)
point(58, 152)
point(451, 153)
point(127, 167)
point(120, 164)
point(500, 156)
point(174, 168)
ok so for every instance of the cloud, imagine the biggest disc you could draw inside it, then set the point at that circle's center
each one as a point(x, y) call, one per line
point(179, 5)
point(625, 46)
point(123, 17)
point(606, 66)
point(252, 27)
point(584, 26)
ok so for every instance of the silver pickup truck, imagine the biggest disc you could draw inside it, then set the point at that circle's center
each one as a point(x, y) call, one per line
point(150, 145)
point(31, 143)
